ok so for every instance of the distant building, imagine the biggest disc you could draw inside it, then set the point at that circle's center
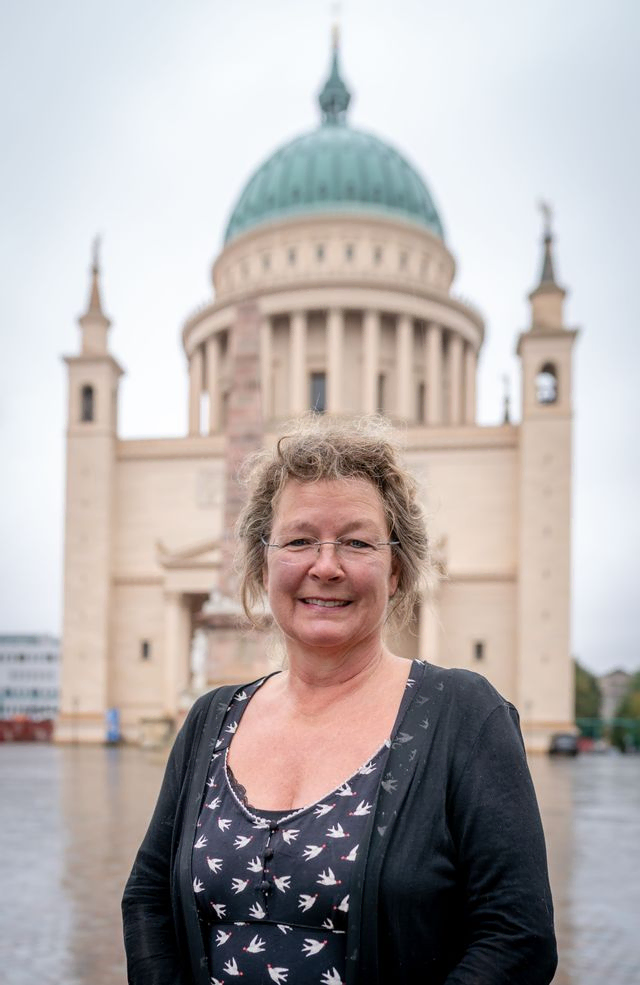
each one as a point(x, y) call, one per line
point(613, 687)
point(29, 676)
point(332, 293)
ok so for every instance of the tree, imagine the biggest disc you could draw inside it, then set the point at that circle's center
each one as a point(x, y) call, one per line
point(626, 733)
point(587, 693)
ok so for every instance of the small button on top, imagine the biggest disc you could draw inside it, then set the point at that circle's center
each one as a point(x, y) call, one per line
point(273, 827)
point(268, 854)
point(265, 886)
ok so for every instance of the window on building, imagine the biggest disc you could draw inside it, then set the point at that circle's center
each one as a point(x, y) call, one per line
point(547, 385)
point(319, 392)
point(478, 650)
point(404, 260)
point(377, 255)
point(380, 393)
point(421, 403)
point(145, 650)
point(291, 256)
point(266, 261)
point(319, 252)
point(348, 252)
point(86, 404)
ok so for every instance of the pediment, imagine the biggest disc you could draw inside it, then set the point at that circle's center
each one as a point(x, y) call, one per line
point(204, 554)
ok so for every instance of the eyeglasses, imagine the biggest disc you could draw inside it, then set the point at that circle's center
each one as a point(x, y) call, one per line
point(306, 548)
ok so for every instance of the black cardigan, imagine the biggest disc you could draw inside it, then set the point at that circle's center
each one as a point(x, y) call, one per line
point(451, 885)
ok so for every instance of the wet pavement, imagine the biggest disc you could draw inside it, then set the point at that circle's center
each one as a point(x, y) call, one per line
point(72, 818)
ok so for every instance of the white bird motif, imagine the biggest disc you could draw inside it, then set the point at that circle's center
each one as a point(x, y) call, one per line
point(259, 822)
point(231, 967)
point(425, 723)
point(277, 975)
point(217, 981)
point(323, 809)
point(285, 928)
point(223, 823)
point(220, 909)
point(337, 831)
point(328, 924)
point(218, 743)
point(255, 946)
point(328, 878)
point(197, 885)
point(239, 885)
point(351, 857)
point(201, 842)
point(232, 727)
point(343, 905)
point(222, 937)
point(345, 791)
point(290, 835)
point(311, 851)
point(282, 883)
point(211, 782)
point(215, 864)
point(410, 682)
point(306, 902)
point(367, 769)
point(331, 977)
point(214, 803)
point(240, 696)
point(390, 784)
point(255, 865)
point(310, 946)
point(257, 911)
point(242, 841)
point(363, 808)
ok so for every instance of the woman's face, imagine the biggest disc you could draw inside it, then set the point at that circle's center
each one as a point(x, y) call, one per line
point(323, 600)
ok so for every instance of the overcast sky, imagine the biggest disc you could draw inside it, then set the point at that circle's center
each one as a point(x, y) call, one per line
point(142, 121)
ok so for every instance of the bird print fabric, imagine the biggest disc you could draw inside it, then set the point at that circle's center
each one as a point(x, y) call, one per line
point(272, 888)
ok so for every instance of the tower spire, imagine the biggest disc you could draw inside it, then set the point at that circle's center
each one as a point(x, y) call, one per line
point(334, 98)
point(94, 324)
point(95, 303)
point(547, 275)
point(547, 299)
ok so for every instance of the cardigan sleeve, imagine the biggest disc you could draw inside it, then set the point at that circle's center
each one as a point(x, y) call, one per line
point(151, 945)
point(495, 825)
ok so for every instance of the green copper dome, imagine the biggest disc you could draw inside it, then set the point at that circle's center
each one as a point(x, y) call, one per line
point(334, 169)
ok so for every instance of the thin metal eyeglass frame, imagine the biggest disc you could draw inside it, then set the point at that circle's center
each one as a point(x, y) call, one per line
point(317, 544)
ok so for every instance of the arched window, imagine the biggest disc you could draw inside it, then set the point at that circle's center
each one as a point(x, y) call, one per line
point(547, 384)
point(86, 408)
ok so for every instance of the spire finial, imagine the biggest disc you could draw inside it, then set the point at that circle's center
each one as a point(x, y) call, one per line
point(335, 97)
point(547, 275)
point(95, 304)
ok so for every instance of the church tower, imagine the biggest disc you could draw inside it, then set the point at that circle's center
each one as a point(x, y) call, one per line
point(93, 377)
point(545, 668)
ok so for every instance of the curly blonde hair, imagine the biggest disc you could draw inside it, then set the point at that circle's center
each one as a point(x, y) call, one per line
point(314, 449)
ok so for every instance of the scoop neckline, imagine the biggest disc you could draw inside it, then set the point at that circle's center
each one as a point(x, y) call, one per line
point(271, 816)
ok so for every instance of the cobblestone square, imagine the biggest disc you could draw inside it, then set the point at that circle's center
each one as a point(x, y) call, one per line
point(72, 818)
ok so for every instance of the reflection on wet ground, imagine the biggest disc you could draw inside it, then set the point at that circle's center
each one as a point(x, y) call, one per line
point(72, 818)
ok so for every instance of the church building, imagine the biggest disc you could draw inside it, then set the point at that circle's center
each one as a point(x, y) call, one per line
point(332, 293)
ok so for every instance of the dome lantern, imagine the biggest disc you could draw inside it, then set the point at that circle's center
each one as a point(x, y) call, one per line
point(334, 98)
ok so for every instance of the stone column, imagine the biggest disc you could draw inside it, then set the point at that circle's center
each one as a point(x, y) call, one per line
point(455, 379)
point(433, 373)
point(470, 370)
point(213, 382)
point(195, 389)
point(370, 360)
point(405, 400)
point(429, 628)
point(298, 382)
point(266, 369)
point(177, 632)
point(335, 359)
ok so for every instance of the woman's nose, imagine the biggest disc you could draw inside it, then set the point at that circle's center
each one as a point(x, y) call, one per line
point(327, 560)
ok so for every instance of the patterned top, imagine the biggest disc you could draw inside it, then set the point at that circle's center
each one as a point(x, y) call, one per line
point(273, 887)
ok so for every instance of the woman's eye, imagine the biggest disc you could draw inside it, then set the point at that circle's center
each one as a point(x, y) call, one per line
point(359, 545)
point(299, 542)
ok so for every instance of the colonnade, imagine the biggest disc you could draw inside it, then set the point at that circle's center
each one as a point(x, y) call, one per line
point(446, 378)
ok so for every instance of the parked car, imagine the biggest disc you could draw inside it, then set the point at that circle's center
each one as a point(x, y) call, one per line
point(563, 744)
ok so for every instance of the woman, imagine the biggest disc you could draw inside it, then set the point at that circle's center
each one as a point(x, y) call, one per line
point(355, 818)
